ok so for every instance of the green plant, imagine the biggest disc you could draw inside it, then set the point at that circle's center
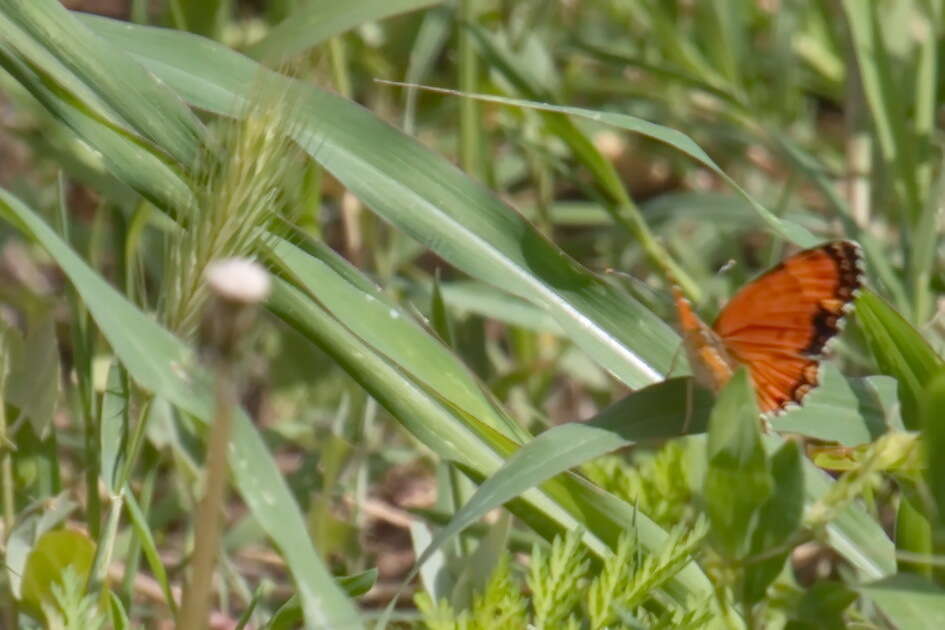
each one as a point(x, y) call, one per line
point(563, 589)
point(427, 318)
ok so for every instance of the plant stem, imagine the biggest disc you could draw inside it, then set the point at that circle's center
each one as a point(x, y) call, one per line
point(196, 604)
point(103, 555)
point(9, 513)
point(470, 121)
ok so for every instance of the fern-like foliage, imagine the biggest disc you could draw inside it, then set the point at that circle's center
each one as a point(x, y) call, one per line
point(564, 593)
point(72, 609)
point(659, 485)
point(501, 604)
point(555, 578)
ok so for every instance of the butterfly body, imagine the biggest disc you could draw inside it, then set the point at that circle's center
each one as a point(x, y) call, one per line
point(778, 325)
point(711, 364)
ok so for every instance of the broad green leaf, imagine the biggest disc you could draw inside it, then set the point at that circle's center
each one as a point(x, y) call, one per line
point(780, 517)
point(913, 536)
point(315, 21)
point(359, 583)
point(738, 480)
point(482, 299)
point(434, 573)
point(161, 363)
point(908, 600)
point(289, 615)
point(899, 351)
point(54, 551)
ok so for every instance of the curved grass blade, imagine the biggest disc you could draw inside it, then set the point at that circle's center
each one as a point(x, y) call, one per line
point(126, 157)
point(426, 197)
point(793, 232)
point(899, 351)
point(365, 310)
point(478, 447)
point(650, 413)
point(117, 79)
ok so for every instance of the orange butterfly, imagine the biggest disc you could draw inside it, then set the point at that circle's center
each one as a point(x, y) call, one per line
point(777, 325)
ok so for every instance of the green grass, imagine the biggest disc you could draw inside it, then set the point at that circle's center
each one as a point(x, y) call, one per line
point(434, 331)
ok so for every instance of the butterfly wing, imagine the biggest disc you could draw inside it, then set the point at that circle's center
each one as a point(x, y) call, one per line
point(780, 323)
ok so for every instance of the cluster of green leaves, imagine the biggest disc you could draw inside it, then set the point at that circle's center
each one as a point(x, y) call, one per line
point(738, 506)
point(660, 483)
point(114, 107)
point(565, 589)
point(74, 608)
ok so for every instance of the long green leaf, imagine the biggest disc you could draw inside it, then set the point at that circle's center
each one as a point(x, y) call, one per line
point(651, 413)
point(736, 458)
point(676, 139)
point(126, 158)
point(478, 446)
point(426, 197)
point(117, 79)
point(900, 351)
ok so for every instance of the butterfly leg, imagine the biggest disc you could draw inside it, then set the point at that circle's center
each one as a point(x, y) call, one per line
point(672, 363)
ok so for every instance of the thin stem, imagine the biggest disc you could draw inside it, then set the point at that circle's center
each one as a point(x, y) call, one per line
point(133, 555)
point(470, 120)
point(103, 554)
point(196, 604)
point(6, 469)
point(134, 444)
point(9, 513)
point(339, 66)
point(82, 342)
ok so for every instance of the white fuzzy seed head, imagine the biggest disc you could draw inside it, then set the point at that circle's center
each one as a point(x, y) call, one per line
point(238, 280)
